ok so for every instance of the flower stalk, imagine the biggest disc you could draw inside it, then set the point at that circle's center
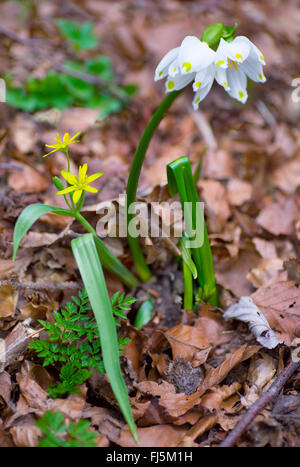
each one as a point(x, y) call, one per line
point(133, 179)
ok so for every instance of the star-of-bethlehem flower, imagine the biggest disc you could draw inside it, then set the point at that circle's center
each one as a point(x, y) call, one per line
point(229, 65)
point(79, 184)
point(62, 145)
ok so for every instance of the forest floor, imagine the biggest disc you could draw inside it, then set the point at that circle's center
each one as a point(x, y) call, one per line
point(191, 376)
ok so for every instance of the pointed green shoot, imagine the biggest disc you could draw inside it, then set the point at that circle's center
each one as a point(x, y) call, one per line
point(85, 253)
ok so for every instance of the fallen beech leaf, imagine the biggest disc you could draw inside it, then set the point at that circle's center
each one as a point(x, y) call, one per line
point(187, 342)
point(15, 344)
point(280, 303)
point(214, 398)
point(27, 180)
point(278, 217)
point(34, 395)
point(246, 310)
point(217, 207)
point(8, 301)
point(153, 436)
point(24, 133)
point(70, 407)
point(216, 375)
point(26, 435)
point(238, 191)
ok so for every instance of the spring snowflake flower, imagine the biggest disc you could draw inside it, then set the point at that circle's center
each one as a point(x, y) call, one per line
point(235, 61)
point(182, 63)
point(79, 184)
point(195, 61)
point(62, 145)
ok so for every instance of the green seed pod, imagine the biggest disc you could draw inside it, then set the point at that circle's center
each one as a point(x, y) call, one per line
point(213, 34)
point(58, 183)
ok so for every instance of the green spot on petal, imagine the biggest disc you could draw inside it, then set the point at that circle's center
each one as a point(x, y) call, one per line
point(238, 56)
point(220, 62)
point(198, 84)
point(171, 85)
point(241, 94)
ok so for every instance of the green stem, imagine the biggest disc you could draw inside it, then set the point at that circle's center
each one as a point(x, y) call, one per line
point(133, 180)
point(188, 287)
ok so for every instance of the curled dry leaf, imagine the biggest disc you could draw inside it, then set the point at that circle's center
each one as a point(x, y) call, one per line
point(280, 303)
point(188, 342)
point(246, 310)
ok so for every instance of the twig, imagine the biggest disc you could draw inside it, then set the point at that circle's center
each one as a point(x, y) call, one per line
point(113, 90)
point(40, 285)
point(204, 127)
point(255, 408)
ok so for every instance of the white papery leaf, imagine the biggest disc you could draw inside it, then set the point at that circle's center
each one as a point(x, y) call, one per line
point(246, 310)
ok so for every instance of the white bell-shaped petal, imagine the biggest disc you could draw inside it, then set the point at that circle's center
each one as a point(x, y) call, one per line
point(201, 94)
point(204, 77)
point(221, 57)
point(253, 49)
point(221, 78)
point(253, 68)
point(238, 50)
point(174, 68)
point(237, 82)
point(163, 66)
point(178, 81)
point(194, 55)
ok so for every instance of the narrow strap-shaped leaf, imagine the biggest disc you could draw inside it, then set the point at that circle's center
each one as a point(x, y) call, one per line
point(85, 253)
point(33, 212)
point(28, 217)
point(180, 180)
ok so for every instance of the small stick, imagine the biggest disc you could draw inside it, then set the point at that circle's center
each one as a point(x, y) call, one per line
point(40, 285)
point(255, 408)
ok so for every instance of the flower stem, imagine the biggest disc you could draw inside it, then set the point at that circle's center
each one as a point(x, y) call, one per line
point(133, 180)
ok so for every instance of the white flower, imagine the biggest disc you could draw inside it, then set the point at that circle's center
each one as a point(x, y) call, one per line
point(191, 57)
point(202, 84)
point(234, 60)
point(195, 61)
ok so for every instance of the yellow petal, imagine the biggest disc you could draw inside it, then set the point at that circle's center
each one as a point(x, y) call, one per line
point(66, 190)
point(91, 189)
point(52, 146)
point(82, 172)
point(93, 177)
point(72, 179)
point(50, 153)
point(75, 136)
point(66, 138)
point(58, 139)
point(76, 196)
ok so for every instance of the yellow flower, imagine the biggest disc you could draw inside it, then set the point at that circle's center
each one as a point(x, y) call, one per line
point(78, 184)
point(62, 145)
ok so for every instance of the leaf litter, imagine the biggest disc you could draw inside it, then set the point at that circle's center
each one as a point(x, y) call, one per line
point(190, 375)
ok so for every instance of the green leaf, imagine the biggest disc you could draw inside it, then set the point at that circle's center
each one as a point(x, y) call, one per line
point(80, 35)
point(28, 217)
point(213, 34)
point(144, 314)
point(85, 253)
